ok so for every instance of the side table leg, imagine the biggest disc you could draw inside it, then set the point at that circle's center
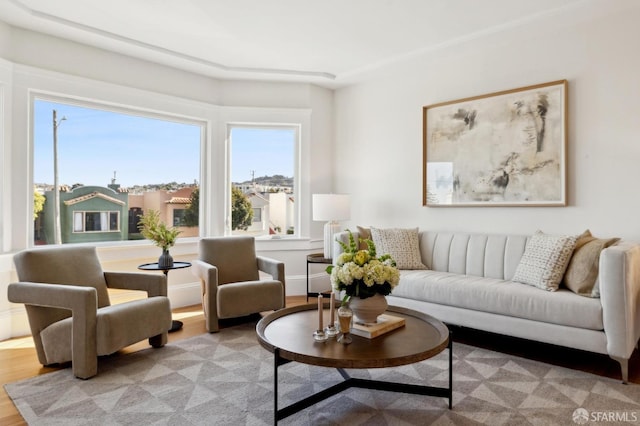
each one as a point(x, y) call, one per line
point(276, 363)
point(307, 281)
point(450, 371)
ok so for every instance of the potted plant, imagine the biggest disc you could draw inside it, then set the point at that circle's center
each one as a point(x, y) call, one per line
point(152, 228)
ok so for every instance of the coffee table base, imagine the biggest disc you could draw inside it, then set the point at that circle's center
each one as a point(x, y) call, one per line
point(352, 382)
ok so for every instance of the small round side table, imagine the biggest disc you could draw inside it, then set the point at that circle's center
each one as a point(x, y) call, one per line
point(315, 258)
point(175, 324)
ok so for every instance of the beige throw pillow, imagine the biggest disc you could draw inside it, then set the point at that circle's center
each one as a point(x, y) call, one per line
point(364, 234)
point(544, 260)
point(582, 272)
point(402, 244)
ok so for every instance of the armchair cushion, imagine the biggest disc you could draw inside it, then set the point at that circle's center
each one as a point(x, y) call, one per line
point(75, 265)
point(239, 299)
point(237, 254)
point(117, 326)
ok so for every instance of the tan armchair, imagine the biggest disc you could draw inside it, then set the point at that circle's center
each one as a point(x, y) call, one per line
point(65, 294)
point(228, 269)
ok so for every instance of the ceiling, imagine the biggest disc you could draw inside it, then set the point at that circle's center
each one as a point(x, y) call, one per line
point(327, 42)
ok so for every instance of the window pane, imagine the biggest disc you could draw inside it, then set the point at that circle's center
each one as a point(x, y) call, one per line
point(77, 222)
point(104, 221)
point(92, 221)
point(257, 215)
point(262, 175)
point(113, 221)
point(113, 166)
point(178, 217)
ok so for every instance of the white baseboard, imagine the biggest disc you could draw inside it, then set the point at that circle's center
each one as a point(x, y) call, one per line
point(14, 321)
point(188, 294)
point(185, 294)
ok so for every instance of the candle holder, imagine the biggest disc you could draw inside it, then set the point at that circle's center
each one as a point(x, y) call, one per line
point(331, 330)
point(320, 336)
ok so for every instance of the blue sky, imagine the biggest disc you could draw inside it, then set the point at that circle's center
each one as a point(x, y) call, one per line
point(268, 152)
point(93, 143)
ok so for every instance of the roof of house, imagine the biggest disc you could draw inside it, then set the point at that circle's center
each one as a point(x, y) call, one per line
point(179, 200)
point(92, 195)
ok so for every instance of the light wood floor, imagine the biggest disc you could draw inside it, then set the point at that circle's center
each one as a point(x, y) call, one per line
point(18, 358)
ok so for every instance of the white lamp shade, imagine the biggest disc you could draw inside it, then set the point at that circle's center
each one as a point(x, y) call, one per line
point(331, 207)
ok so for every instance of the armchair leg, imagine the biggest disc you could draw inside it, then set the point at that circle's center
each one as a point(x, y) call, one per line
point(159, 340)
point(85, 368)
point(212, 326)
point(84, 353)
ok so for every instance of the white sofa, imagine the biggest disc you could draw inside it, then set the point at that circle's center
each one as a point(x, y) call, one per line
point(468, 284)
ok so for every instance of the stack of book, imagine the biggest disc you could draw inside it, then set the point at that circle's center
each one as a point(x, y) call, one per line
point(385, 324)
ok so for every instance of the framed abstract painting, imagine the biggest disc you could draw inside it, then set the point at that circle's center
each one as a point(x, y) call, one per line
point(502, 149)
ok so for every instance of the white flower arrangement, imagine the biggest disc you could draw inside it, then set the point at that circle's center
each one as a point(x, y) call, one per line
point(360, 273)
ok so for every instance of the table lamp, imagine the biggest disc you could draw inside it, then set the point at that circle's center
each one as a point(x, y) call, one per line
point(332, 208)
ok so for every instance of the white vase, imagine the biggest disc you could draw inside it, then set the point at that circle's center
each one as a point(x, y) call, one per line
point(367, 310)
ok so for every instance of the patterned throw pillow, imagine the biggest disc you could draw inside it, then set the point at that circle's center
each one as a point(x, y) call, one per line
point(402, 244)
point(544, 260)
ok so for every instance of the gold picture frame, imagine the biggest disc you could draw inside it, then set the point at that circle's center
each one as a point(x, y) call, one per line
point(505, 148)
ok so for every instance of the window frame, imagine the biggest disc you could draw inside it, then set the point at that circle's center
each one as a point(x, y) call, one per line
point(209, 114)
point(204, 124)
point(298, 142)
point(84, 221)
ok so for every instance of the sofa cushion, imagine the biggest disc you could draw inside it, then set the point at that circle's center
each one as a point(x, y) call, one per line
point(501, 297)
point(545, 260)
point(582, 272)
point(402, 244)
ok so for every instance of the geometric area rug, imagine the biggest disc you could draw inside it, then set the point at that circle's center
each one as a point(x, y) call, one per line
point(226, 378)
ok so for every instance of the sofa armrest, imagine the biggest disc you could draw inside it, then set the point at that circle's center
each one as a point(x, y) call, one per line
point(273, 267)
point(154, 285)
point(83, 303)
point(619, 281)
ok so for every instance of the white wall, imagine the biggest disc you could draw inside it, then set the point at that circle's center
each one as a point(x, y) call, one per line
point(31, 61)
point(594, 45)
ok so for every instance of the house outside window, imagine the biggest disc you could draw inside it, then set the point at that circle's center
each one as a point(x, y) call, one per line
point(264, 166)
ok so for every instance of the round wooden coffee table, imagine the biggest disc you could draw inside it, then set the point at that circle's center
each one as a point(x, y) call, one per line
point(288, 334)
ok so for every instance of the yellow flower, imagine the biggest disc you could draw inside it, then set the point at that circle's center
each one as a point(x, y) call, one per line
point(361, 257)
